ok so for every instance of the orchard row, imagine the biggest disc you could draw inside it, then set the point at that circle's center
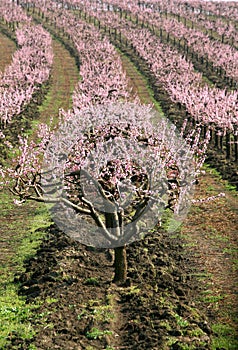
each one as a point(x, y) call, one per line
point(30, 67)
point(214, 108)
point(206, 104)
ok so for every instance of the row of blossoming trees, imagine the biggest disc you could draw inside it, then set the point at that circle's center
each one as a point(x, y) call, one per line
point(221, 55)
point(212, 107)
point(30, 66)
point(226, 10)
point(216, 17)
point(106, 170)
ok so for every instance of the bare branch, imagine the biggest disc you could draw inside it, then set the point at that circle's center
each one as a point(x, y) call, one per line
point(58, 200)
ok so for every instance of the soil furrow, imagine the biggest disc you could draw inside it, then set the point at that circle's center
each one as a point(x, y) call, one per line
point(64, 77)
point(8, 48)
point(211, 233)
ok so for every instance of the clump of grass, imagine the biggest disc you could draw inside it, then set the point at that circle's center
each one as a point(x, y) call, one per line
point(15, 314)
point(96, 309)
point(96, 333)
point(210, 298)
point(92, 281)
point(225, 337)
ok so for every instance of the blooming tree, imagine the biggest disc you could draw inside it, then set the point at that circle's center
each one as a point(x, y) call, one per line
point(108, 174)
point(12, 13)
point(30, 68)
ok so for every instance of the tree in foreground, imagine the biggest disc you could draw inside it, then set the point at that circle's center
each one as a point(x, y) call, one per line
point(108, 173)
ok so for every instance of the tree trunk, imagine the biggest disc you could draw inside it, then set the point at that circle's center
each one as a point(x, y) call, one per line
point(113, 224)
point(120, 265)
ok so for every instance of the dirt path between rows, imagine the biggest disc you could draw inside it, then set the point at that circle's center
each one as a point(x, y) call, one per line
point(211, 232)
point(8, 48)
point(64, 77)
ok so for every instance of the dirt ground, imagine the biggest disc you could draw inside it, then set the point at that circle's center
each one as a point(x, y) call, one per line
point(154, 309)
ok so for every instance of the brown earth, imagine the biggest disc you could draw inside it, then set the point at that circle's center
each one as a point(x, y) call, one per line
point(154, 309)
point(64, 77)
point(6, 55)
